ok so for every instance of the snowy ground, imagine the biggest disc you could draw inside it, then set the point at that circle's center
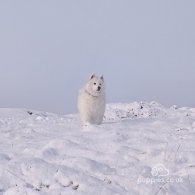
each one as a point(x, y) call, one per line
point(141, 148)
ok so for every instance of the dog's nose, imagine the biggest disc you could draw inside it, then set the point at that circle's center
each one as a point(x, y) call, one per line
point(99, 88)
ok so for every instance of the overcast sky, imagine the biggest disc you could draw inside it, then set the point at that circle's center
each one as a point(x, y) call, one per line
point(48, 48)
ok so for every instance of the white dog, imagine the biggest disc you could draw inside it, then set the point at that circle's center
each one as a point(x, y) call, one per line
point(91, 101)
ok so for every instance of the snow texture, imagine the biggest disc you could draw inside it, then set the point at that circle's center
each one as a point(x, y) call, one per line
point(141, 148)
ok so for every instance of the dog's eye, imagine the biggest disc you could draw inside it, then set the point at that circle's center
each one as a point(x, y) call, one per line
point(94, 83)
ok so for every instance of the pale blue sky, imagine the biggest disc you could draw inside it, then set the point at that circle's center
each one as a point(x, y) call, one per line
point(145, 49)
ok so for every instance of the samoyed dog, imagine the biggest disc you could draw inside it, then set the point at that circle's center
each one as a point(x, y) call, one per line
point(91, 101)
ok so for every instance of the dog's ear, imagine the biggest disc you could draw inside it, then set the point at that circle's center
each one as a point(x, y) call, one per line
point(102, 77)
point(92, 76)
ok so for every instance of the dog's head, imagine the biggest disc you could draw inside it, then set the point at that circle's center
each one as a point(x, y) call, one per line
point(95, 85)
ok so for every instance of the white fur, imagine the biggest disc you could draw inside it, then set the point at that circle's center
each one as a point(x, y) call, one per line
point(91, 101)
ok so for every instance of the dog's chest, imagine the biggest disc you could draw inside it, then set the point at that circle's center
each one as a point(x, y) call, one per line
point(95, 103)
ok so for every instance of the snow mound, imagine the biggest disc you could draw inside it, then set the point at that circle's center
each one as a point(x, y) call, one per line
point(134, 110)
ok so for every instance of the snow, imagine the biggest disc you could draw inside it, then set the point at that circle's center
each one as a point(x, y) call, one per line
point(141, 148)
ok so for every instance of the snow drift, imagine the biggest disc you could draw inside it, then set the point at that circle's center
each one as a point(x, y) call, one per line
point(141, 148)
